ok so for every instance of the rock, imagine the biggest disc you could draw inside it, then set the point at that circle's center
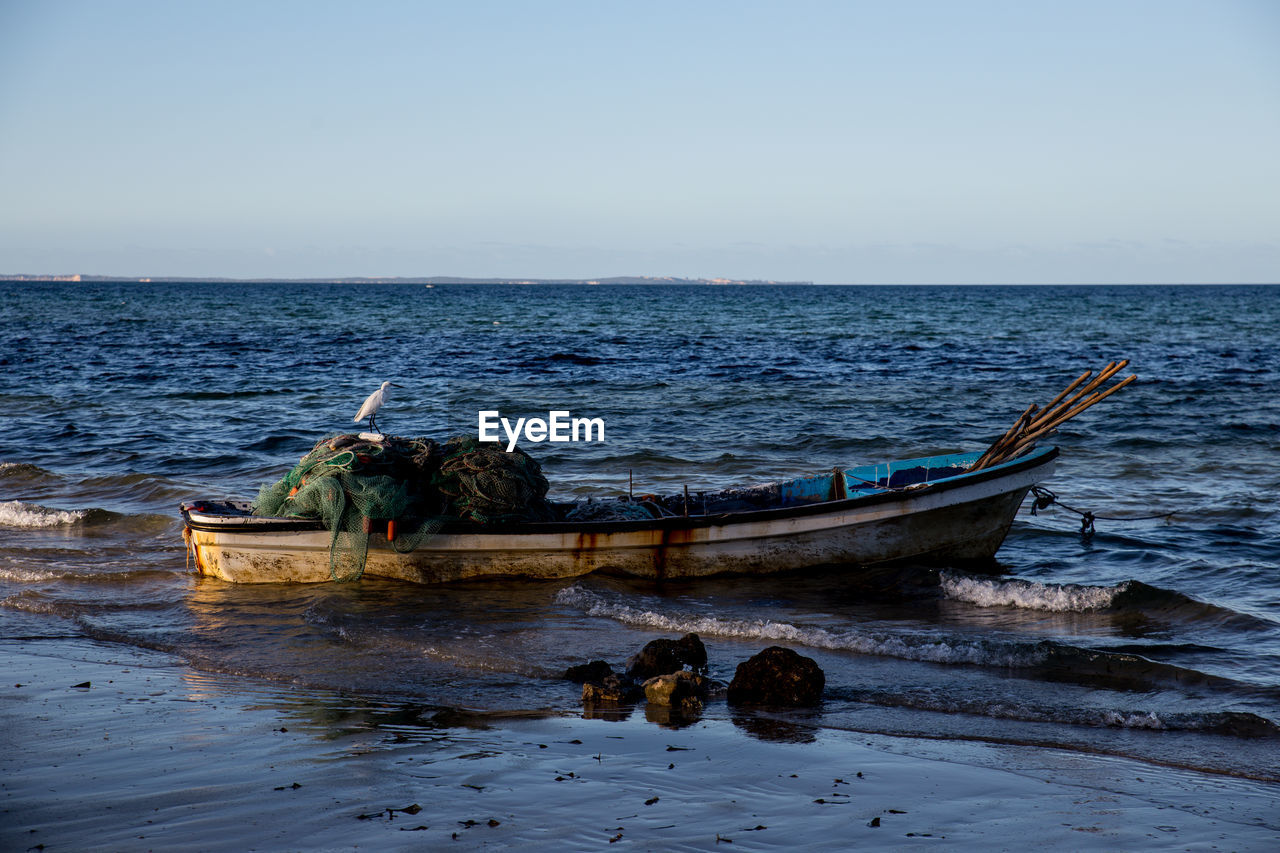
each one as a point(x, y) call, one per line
point(778, 677)
point(663, 656)
point(595, 694)
point(612, 690)
point(597, 670)
point(672, 689)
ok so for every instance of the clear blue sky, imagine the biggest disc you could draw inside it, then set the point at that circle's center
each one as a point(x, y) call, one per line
point(827, 141)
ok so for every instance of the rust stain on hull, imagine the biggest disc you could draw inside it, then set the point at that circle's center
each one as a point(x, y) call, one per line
point(969, 522)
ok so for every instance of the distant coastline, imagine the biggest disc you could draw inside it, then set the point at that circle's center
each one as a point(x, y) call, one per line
point(438, 279)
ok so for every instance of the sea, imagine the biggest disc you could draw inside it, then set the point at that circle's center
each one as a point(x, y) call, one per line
point(1154, 636)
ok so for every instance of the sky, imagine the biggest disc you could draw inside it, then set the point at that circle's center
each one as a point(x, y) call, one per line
point(835, 142)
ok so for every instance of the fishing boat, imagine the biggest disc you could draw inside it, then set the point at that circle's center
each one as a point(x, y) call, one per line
point(933, 510)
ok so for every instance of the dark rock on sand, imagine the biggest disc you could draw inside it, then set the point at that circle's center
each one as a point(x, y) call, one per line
point(597, 670)
point(777, 676)
point(663, 656)
point(675, 699)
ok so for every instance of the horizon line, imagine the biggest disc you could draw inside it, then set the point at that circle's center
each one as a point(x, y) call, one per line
point(604, 281)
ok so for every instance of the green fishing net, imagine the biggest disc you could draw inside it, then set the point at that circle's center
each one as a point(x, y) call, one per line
point(356, 485)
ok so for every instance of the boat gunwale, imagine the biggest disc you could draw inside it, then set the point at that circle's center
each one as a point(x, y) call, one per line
point(679, 522)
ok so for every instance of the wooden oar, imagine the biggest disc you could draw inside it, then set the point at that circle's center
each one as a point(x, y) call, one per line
point(1030, 437)
point(1009, 435)
point(1034, 424)
point(1106, 373)
point(1065, 391)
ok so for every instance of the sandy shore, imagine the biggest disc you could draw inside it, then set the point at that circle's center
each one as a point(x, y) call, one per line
point(154, 755)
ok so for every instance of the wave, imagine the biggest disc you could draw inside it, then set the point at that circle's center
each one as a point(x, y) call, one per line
point(1231, 723)
point(33, 516)
point(1129, 595)
point(292, 442)
point(235, 394)
point(26, 574)
point(149, 487)
point(1029, 595)
point(26, 472)
point(34, 482)
point(1046, 659)
point(568, 358)
point(927, 648)
point(644, 458)
point(28, 516)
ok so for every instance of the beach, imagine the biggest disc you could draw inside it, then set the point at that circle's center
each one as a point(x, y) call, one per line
point(373, 375)
point(1105, 689)
point(153, 755)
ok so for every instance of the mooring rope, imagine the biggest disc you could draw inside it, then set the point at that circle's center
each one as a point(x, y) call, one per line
point(1046, 498)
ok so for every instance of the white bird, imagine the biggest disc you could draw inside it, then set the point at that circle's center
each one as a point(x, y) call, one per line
point(374, 402)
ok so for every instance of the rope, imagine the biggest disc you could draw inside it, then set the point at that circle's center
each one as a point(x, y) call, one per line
point(1045, 498)
point(877, 484)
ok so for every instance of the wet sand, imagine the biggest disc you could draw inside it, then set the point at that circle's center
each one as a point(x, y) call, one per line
point(155, 755)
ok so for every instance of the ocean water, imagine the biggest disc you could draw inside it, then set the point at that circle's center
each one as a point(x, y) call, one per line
point(1154, 638)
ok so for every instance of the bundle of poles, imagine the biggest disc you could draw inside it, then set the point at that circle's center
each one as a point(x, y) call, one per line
point(1036, 423)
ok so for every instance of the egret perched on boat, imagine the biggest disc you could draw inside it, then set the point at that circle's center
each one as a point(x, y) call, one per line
point(374, 402)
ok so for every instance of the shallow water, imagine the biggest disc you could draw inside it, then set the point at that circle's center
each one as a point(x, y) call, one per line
point(156, 755)
point(1157, 638)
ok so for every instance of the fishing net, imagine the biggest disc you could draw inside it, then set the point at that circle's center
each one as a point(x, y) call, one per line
point(490, 485)
point(355, 486)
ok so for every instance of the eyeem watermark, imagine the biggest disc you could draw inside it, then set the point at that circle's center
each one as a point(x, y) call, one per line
point(558, 427)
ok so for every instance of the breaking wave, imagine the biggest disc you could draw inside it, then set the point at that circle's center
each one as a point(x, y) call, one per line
point(1030, 595)
point(927, 648)
point(32, 516)
point(27, 575)
point(29, 516)
point(1078, 598)
point(1048, 659)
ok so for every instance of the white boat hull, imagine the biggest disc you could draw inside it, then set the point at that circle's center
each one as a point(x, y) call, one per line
point(959, 519)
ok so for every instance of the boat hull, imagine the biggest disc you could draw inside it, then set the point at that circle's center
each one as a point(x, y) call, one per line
point(954, 520)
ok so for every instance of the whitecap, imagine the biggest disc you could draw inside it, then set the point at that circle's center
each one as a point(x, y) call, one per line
point(1029, 595)
point(19, 514)
point(23, 575)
